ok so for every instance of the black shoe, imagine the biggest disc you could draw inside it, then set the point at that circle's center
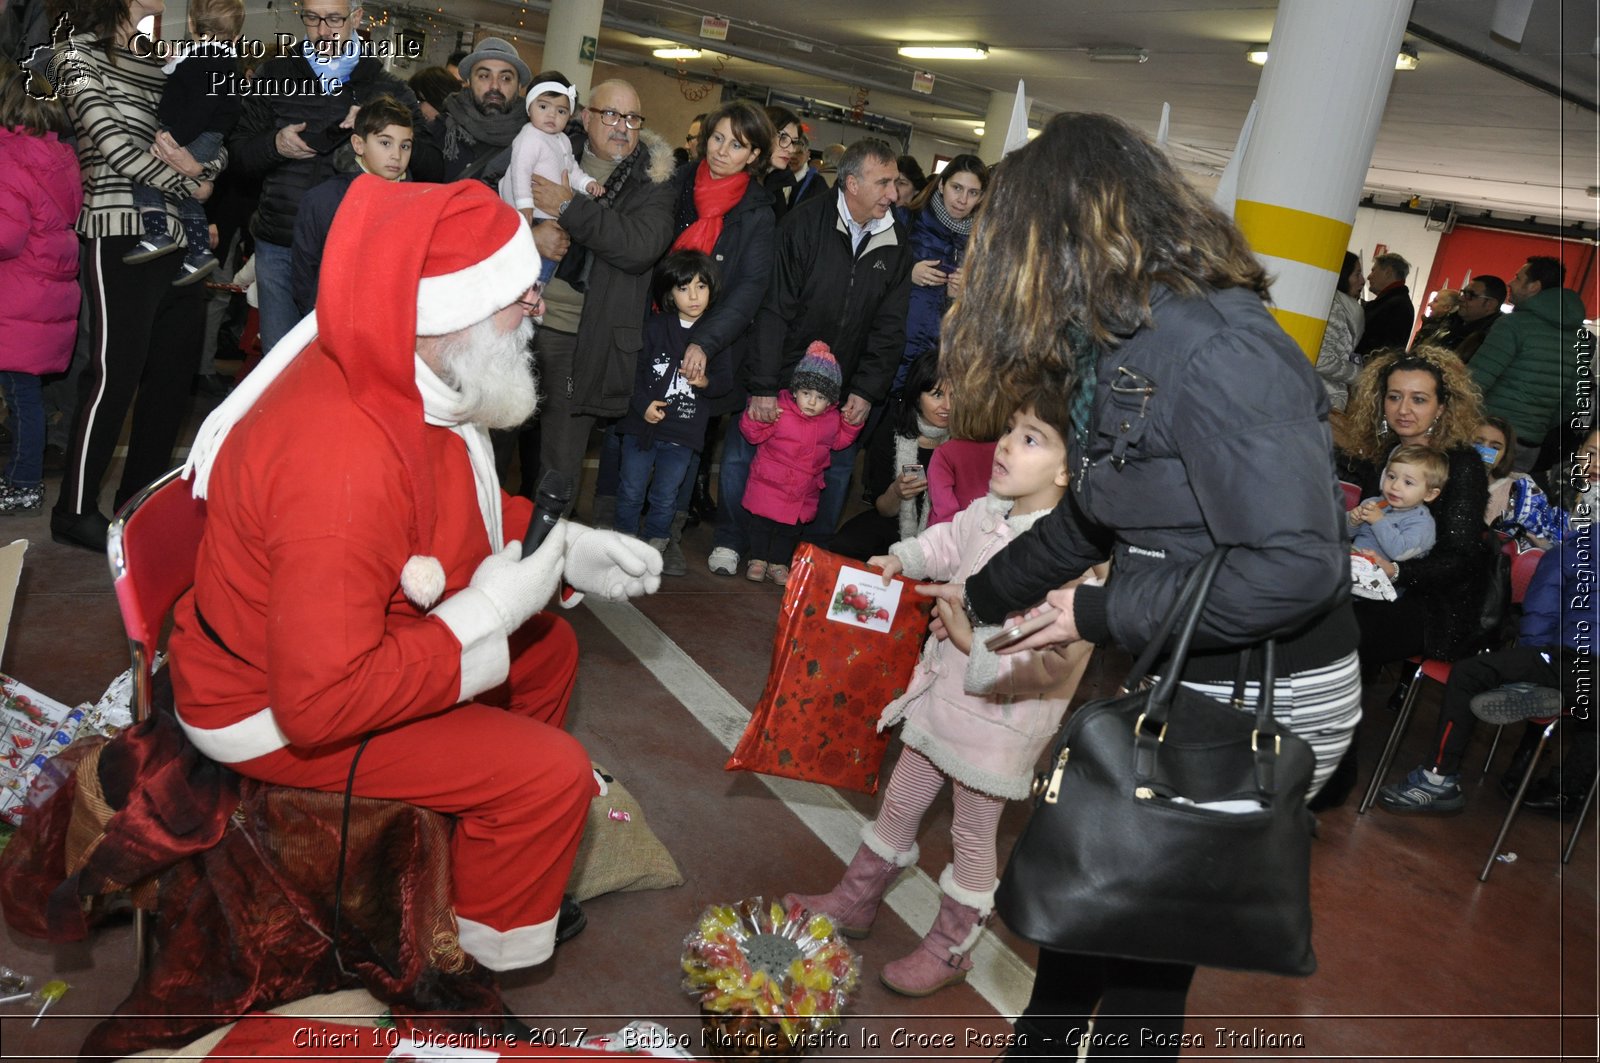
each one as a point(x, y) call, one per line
point(1397, 697)
point(702, 507)
point(571, 921)
point(212, 385)
point(87, 530)
point(55, 459)
point(1545, 797)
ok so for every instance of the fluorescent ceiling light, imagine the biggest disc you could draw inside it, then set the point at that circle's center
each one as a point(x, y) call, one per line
point(977, 130)
point(957, 50)
point(1118, 55)
point(1405, 59)
point(676, 53)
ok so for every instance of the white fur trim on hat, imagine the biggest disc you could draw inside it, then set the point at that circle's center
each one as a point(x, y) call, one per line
point(422, 580)
point(453, 301)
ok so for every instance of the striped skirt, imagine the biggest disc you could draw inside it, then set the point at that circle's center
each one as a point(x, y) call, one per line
point(1321, 705)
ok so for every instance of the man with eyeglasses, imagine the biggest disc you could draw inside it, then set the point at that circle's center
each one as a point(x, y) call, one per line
point(588, 345)
point(1463, 329)
point(369, 618)
point(475, 128)
point(300, 109)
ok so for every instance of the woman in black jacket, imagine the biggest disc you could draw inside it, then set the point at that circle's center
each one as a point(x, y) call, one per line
point(1198, 423)
point(723, 210)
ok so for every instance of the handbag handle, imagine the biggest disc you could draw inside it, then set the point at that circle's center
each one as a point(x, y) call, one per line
point(1184, 616)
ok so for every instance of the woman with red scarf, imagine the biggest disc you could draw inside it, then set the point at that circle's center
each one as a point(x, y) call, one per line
point(723, 210)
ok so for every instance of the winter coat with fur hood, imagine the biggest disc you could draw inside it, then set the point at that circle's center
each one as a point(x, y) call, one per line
point(625, 241)
point(982, 719)
point(41, 192)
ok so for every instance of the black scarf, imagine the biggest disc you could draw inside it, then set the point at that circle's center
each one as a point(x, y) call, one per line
point(466, 127)
point(574, 268)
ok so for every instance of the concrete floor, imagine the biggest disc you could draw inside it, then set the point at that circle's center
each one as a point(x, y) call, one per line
point(1417, 958)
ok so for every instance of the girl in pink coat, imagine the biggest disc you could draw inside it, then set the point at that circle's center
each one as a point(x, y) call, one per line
point(41, 192)
point(792, 453)
point(969, 715)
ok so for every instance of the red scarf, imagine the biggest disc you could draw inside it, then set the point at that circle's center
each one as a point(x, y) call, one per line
point(713, 198)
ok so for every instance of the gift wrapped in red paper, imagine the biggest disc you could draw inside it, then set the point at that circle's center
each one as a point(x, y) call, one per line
point(845, 648)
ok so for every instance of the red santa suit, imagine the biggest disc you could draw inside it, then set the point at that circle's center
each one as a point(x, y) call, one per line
point(343, 503)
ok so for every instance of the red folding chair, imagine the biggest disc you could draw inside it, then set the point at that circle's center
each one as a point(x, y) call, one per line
point(152, 545)
point(1439, 672)
point(1352, 494)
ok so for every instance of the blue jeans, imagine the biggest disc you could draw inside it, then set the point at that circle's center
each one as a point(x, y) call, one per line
point(196, 227)
point(733, 520)
point(609, 474)
point(24, 400)
point(656, 470)
point(836, 483)
point(275, 292)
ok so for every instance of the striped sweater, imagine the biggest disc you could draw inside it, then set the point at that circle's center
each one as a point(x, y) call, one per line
point(113, 111)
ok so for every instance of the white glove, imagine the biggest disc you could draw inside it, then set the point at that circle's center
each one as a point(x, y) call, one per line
point(518, 587)
point(611, 565)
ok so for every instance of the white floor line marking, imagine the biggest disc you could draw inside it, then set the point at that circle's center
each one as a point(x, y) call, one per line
point(998, 973)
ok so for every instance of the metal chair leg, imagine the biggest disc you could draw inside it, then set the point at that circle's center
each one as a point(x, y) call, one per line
point(1516, 801)
point(1583, 814)
point(1395, 734)
point(142, 940)
point(1498, 731)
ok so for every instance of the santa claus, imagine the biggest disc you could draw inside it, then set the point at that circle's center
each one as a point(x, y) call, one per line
point(357, 612)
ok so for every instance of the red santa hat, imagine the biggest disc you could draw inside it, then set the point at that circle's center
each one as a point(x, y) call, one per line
point(405, 260)
point(402, 260)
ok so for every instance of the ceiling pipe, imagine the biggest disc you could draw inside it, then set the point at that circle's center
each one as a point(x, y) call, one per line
point(756, 55)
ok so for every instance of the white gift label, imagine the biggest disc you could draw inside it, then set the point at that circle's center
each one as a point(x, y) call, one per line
point(861, 600)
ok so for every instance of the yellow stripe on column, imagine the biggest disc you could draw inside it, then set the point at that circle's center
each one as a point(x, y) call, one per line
point(1305, 330)
point(1297, 235)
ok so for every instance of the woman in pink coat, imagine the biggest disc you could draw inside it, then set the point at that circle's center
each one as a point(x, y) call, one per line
point(970, 715)
point(792, 453)
point(41, 192)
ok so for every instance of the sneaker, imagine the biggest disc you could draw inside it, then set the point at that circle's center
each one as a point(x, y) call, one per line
point(673, 563)
point(193, 271)
point(756, 572)
point(149, 248)
point(1420, 795)
point(1515, 703)
point(724, 561)
point(20, 501)
point(778, 574)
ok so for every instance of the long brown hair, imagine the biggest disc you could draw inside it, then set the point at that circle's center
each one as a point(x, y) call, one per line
point(960, 164)
point(1461, 405)
point(1077, 228)
point(750, 126)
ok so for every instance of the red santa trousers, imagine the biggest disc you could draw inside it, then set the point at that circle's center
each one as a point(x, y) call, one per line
point(519, 785)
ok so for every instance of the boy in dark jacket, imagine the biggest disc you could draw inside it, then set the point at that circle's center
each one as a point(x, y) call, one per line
point(297, 115)
point(665, 425)
point(198, 116)
point(382, 142)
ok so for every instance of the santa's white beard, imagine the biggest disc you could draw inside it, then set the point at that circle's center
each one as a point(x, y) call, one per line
point(493, 372)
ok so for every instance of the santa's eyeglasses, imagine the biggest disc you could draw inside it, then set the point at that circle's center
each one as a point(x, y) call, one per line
point(532, 301)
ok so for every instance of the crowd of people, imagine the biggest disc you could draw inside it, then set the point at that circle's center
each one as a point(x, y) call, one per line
point(1030, 358)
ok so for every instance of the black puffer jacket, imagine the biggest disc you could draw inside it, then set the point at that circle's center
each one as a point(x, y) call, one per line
point(1230, 448)
point(289, 93)
point(1453, 577)
point(743, 254)
point(820, 290)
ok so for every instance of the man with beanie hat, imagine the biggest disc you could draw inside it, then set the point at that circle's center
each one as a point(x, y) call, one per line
point(299, 111)
point(356, 601)
point(476, 126)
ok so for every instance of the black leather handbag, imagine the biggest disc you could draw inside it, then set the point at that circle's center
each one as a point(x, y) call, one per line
point(1128, 853)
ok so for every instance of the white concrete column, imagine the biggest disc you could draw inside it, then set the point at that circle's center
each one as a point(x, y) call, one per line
point(993, 145)
point(1321, 99)
point(570, 22)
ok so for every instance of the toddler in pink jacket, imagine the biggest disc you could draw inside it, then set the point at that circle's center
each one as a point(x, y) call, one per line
point(792, 453)
point(41, 193)
point(972, 716)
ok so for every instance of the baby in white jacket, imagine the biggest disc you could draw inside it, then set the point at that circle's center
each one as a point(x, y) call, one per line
point(542, 148)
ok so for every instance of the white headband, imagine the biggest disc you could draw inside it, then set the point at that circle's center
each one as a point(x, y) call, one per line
point(556, 87)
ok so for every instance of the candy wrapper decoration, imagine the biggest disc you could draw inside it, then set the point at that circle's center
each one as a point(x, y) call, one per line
point(34, 728)
point(1367, 580)
point(782, 966)
point(846, 646)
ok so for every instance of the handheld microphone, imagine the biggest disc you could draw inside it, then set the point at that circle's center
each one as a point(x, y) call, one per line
point(549, 502)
